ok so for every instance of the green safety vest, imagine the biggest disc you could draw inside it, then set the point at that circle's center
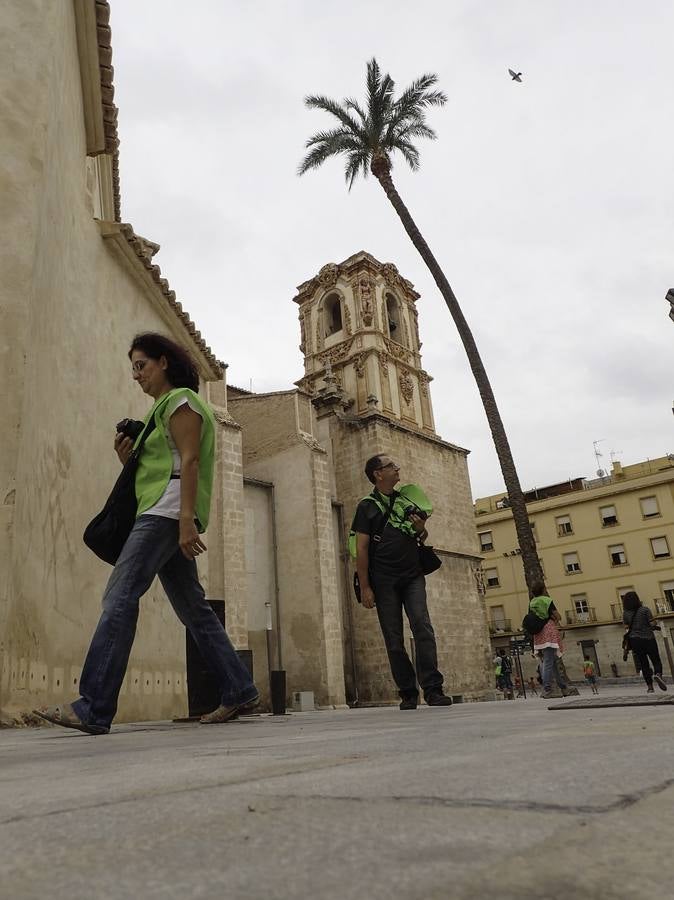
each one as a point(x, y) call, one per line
point(156, 460)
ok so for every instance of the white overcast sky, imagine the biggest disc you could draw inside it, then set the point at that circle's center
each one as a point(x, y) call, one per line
point(549, 204)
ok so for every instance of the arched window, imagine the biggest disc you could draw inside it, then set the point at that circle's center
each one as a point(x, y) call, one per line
point(393, 318)
point(332, 312)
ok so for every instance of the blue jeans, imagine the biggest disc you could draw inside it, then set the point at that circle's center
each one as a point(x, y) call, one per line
point(152, 549)
point(550, 668)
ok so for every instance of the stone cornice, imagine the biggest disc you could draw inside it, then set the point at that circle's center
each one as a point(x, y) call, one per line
point(94, 49)
point(132, 252)
point(365, 419)
point(328, 275)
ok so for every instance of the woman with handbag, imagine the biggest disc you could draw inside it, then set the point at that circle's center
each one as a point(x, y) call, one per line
point(639, 638)
point(548, 642)
point(173, 475)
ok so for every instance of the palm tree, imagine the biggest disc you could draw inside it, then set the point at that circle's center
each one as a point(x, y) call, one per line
point(368, 139)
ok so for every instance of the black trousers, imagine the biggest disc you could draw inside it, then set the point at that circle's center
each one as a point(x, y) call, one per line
point(645, 649)
point(392, 595)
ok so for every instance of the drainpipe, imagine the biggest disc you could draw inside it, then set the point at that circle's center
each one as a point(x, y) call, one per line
point(349, 612)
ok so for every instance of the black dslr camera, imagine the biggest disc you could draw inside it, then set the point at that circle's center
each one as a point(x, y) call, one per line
point(415, 511)
point(130, 428)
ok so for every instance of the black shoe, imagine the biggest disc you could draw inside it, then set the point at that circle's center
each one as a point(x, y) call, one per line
point(409, 703)
point(659, 680)
point(437, 698)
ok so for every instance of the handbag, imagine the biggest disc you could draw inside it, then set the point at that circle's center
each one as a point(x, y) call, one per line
point(532, 623)
point(108, 531)
point(428, 559)
point(627, 645)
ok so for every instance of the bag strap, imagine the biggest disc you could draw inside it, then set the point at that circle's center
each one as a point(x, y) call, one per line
point(376, 538)
point(149, 428)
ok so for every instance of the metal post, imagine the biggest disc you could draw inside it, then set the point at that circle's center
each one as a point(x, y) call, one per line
point(669, 654)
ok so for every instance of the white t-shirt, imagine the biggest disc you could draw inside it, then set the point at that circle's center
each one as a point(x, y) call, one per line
point(168, 504)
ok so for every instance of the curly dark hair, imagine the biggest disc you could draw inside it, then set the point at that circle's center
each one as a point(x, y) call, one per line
point(631, 602)
point(181, 370)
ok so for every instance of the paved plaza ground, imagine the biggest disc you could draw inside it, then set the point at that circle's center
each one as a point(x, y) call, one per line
point(483, 800)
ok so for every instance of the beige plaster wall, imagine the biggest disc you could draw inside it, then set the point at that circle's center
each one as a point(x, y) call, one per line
point(310, 617)
point(69, 312)
point(456, 607)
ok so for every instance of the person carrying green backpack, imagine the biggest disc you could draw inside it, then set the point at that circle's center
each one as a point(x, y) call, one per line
point(387, 540)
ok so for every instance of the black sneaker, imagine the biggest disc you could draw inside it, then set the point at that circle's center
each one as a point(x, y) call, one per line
point(437, 698)
point(409, 703)
point(659, 680)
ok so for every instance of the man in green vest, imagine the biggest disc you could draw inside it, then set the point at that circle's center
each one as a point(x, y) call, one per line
point(389, 528)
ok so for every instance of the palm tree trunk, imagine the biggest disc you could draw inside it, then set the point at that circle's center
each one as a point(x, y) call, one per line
point(532, 567)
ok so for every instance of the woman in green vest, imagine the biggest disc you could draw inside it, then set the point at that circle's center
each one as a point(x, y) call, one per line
point(173, 488)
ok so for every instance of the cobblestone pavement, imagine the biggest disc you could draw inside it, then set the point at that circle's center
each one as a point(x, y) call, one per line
point(502, 800)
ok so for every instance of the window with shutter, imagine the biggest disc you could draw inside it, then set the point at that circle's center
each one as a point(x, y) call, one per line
point(660, 547)
point(649, 507)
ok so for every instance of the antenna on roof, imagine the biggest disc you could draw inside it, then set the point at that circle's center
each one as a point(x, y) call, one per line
point(613, 454)
point(598, 455)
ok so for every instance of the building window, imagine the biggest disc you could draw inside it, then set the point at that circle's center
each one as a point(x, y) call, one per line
point(497, 614)
point(580, 604)
point(491, 578)
point(608, 516)
point(649, 507)
point(617, 554)
point(333, 314)
point(393, 318)
point(667, 588)
point(564, 526)
point(486, 541)
point(571, 563)
point(659, 547)
point(533, 531)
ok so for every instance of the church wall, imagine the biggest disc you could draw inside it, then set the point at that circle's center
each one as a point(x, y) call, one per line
point(72, 311)
point(456, 607)
point(276, 451)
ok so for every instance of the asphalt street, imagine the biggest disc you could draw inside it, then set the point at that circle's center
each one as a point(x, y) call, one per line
point(501, 799)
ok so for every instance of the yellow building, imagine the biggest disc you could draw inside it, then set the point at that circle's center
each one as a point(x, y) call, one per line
point(596, 540)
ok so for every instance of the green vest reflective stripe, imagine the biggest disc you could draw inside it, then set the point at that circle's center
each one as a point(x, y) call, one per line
point(156, 460)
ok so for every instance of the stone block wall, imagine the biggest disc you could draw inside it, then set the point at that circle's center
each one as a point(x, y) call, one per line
point(457, 608)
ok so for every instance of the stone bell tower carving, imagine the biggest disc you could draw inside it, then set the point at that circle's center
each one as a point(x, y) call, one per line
point(360, 339)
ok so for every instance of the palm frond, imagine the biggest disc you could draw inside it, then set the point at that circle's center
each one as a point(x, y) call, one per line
point(409, 153)
point(356, 162)
point(327, 144)
point(334, 108)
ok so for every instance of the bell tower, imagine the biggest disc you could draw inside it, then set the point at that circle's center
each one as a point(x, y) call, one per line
point(360, 340)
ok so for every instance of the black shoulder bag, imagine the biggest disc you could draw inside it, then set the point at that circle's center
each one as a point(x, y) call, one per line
point(376, 539)
point(107, 532)
point(429, 561)
point(627, 645)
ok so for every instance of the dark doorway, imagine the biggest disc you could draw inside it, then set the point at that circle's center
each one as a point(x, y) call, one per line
point(589, 651)
point(202, 691)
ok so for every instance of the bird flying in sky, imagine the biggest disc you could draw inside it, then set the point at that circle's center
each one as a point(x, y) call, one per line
point(516, 76)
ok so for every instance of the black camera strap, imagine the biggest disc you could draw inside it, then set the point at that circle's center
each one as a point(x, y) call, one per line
point(147, 430)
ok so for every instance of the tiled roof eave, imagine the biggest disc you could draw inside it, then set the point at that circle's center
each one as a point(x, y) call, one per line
point(133, 251)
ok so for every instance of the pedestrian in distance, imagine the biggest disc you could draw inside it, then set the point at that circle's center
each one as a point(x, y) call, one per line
point(589, 673)
point(173, 483)
point(498, 671)
point(548, 642)
point(640, 639)
point(506, 676)
point(388, 531)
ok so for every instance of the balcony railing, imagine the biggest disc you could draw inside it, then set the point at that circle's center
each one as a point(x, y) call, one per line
point(500, 626)
point(617, 612)
point(580, 618)
point(663, 607)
